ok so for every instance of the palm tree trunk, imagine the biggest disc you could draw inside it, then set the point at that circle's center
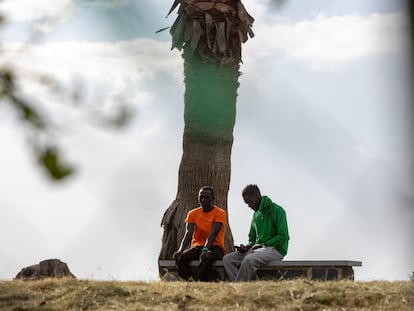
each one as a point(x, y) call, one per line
point(209, 117)
point(210, 34)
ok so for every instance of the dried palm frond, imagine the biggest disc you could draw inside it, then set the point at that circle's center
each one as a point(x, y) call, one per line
point(214, 30)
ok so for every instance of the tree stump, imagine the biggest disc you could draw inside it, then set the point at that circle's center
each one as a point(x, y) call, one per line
point(50, 268)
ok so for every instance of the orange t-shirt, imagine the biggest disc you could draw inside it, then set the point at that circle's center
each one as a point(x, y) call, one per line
point(203, 223)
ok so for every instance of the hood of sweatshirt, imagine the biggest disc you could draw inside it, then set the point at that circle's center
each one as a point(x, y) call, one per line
point(265, 207)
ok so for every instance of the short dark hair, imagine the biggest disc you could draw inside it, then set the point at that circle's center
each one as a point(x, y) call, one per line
point(251, 189)
point(208, 188)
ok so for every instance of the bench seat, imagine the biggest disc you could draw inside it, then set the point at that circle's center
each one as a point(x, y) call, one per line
point(283, 270)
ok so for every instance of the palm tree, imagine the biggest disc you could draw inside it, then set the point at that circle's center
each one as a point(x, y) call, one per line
point(209, 34)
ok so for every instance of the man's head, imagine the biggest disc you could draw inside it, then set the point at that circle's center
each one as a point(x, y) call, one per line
point(252, 197)
point(206, 198)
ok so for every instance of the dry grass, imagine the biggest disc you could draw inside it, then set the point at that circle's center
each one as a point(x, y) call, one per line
point(286, 295)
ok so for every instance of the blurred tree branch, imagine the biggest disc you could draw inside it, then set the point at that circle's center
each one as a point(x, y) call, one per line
point(37, 127)
point(47, 154)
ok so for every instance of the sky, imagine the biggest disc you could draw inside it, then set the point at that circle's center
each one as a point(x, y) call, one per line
point(324, 127)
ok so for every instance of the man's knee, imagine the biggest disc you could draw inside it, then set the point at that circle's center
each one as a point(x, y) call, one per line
point(250, 259)
point(230, 257)
point(190, 254)
point(183, 261)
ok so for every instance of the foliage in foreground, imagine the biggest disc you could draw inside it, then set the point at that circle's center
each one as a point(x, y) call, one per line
point(286, 295)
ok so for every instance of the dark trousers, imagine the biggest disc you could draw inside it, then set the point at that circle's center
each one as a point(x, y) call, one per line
point(204, 272)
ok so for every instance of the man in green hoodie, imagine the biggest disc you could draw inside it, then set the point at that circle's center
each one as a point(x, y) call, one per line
point(268, 237)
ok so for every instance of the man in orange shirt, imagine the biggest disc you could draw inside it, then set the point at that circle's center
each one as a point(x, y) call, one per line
point(205, 228)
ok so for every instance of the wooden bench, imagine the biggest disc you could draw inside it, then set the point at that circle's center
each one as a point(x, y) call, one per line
point(323, 270)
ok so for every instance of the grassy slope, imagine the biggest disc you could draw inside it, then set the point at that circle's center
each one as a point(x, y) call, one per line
point(286, 295)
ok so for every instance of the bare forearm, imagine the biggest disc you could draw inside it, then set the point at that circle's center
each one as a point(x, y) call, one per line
point(185, 242)
point(188, 235)
point(213, 234)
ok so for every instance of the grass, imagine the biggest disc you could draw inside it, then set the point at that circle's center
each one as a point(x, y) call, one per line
point(68, 294)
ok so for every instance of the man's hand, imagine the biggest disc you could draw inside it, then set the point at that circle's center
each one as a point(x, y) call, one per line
point(205, 256)
point(243, 248)
point(256, 246)
point(177, 255)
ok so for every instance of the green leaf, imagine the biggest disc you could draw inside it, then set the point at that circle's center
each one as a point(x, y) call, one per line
point(51, 161)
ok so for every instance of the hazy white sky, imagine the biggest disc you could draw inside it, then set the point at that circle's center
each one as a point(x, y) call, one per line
point(323, 127)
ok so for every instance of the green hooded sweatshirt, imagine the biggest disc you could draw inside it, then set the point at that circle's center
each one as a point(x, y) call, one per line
point(269, 226)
